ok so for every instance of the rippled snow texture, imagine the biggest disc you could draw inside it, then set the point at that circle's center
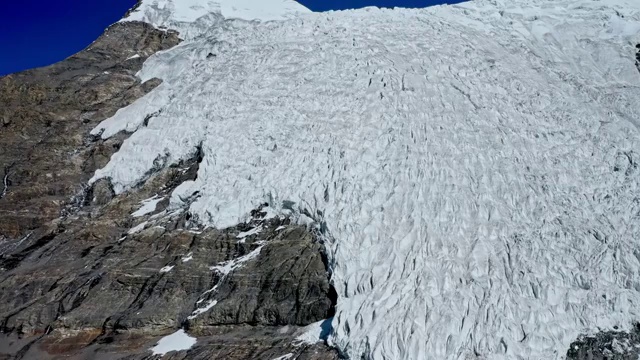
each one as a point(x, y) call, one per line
point(476, 165)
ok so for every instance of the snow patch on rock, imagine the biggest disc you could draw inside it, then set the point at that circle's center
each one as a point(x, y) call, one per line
point(177, 341)
point(138, 227)
point(228, 266)
point(316, 332)
point(180, 14)
point(244, 234)
point(147, 206)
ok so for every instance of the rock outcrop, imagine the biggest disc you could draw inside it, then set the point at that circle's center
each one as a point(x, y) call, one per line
point(88, 274)
point(47, 113)
point(606, 345)
point(638, 57)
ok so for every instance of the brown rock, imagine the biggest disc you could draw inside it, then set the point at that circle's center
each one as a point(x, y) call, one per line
point(47, 114)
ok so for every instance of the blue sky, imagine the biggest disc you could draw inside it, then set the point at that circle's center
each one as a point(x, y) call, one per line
point(35, 33)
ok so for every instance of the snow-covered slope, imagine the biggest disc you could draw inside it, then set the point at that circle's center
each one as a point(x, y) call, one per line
point(474, 168)
point(182, 14)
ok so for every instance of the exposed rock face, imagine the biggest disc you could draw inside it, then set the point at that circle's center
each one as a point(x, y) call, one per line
point(46, 117)
point(91, 278)
point(87, 274)
point(277, 296)
point(608, 345)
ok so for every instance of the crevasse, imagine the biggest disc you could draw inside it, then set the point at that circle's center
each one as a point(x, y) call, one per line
point(476, 165)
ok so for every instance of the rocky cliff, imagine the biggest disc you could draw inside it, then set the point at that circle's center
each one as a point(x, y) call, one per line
point(87, 274)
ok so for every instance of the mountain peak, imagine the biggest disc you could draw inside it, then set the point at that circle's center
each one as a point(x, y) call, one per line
point(167, 13)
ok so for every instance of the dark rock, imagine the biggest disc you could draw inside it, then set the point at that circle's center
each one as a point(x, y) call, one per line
point(101, 192)
point(286, 284)
point(229, 343)
point(606, 345)
point(5, 121)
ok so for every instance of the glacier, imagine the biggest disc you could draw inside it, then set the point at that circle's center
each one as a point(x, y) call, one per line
point(473, 168)
point(192, 17)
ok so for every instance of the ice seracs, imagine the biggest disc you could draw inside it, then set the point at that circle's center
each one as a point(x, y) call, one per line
point(474, 169)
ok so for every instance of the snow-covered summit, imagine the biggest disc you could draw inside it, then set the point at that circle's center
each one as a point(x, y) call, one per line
point(476, 167)
point(173, 13)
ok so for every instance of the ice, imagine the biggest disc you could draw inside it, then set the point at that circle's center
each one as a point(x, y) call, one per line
point(148, 206)
point(473, 169)
point(177, 341)
point(167, 269)
point(133, 57)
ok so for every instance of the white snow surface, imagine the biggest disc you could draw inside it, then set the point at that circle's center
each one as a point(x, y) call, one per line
point(203, 309)
point(314, 333)
point(182, 14)
point(476, 165)
point(177, 341)
point(138, 227)
point(148, 206)
point(244, 234)
point(167, 268)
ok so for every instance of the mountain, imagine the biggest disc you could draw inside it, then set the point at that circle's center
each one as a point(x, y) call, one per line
point(80, 276)
point(253, 180)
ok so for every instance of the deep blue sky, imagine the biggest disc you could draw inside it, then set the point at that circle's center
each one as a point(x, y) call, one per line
point(35, 33)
